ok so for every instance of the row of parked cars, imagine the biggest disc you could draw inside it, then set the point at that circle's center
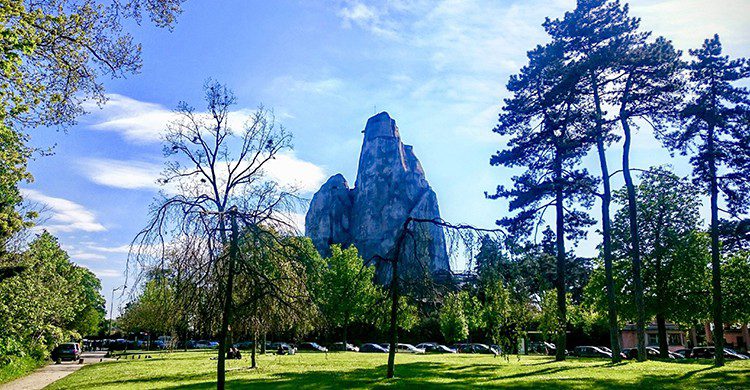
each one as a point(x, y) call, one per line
point(428, 347)
point(632, 353)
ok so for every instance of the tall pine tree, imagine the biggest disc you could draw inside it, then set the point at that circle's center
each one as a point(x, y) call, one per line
point(539, 119)
point(716, 133)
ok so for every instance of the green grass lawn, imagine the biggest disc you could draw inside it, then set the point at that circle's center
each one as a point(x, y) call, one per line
point(346, 370)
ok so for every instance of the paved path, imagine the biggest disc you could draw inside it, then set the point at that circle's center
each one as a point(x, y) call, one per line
point(50, 373)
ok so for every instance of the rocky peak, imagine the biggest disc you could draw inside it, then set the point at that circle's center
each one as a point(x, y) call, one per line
point(390, 187)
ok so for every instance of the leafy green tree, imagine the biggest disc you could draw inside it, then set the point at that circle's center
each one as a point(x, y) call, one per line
point(453, 323)
point(715, 132)
point(736, 288)
point(35, 312)
point(540, 118)
point(346, 288)
point(668, 217)
point(152, 310)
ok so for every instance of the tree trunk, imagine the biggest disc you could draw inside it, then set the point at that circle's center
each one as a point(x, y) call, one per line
point(394, 317)
point(693, 337)
point(227, 314)
point(344, 335)
point(560, 277)
point(746, 337)
point(707, 333)
point(640, 323)
point(661, 324)
point(715, 255)
point(263, 345)
point(614, 331)
point(253, 362)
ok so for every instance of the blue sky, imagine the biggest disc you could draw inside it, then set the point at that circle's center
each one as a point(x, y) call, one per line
point(438, 67)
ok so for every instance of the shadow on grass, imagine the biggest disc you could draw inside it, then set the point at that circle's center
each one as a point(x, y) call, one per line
point(442, 376)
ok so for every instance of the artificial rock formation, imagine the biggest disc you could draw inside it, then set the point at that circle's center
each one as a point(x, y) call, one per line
point(390, 187)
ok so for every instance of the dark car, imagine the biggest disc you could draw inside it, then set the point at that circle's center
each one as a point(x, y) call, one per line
point(590, 351)
point(684, 352)
point(606, 349)
point(437, 348)
point(463, 348)
point(370, 347)
point(339, 346)
point(484, 348)
point(67, 351)
point(708, 353)
point(311, 346)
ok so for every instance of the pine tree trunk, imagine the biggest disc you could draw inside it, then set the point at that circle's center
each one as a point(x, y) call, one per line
point(661, 324)
point(635, 244)
point(394, 317)
point(344, 335)
point(560, 277)
point(614, 331)
point(227, 313)
point(253, 361)
point(715, 255)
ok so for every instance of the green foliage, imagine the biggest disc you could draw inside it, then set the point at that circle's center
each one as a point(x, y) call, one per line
point(346, 289)
point(51, 301)
point(673, 250)
point(452, 317)
point(152, 311)
point(735, 284)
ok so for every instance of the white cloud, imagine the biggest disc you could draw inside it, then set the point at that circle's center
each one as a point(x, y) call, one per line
point(65, 215)
point(290, 171)
point(86, 256)
point(122, 174)
point(107, 273)
point(110, 249)
point(689, 22)
point(144, 122)
point(137, 121)
point(286, 169)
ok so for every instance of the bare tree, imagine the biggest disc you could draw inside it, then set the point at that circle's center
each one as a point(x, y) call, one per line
point(459, 236)
point(215, 192)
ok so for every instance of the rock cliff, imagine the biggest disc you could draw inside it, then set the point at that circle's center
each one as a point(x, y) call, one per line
point(390, 187)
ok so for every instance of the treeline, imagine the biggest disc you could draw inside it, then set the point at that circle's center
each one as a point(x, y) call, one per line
point(45, 299)
point(598, 79)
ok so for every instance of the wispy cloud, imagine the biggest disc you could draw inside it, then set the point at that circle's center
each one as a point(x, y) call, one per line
point(137, 121)
point(315, 86)
point(286, 169)
point(86, 256)
point(143, 122)
point(65, 215)
point(110, 249)
point(107, 273)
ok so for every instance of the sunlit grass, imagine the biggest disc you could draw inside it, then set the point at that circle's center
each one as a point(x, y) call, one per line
point(345, 370)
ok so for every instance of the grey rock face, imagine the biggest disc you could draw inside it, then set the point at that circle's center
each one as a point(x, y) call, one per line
point(390, 187)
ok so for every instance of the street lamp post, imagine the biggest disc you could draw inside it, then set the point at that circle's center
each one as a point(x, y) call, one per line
point(111, 308)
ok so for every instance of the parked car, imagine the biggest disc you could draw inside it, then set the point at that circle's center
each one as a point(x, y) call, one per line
point(205, 344)
point(438, 348)
point(286, 348)
point(371, 347)
point(606, 349)
point(426, 345)
point(684, 352)
point(244, 345)
point(385, 346)
point(708, 353)
point(542, 347)
point(653, 353)
point(590, 351)
point(339, 346)
point(67, 351)
point(484, 348)
point(408, 348)
point(463, 348)
point(312, 346)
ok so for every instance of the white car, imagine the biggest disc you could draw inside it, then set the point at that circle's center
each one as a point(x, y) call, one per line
point(408, 348)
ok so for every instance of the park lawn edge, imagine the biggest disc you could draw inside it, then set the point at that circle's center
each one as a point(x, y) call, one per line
point(19, 367)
